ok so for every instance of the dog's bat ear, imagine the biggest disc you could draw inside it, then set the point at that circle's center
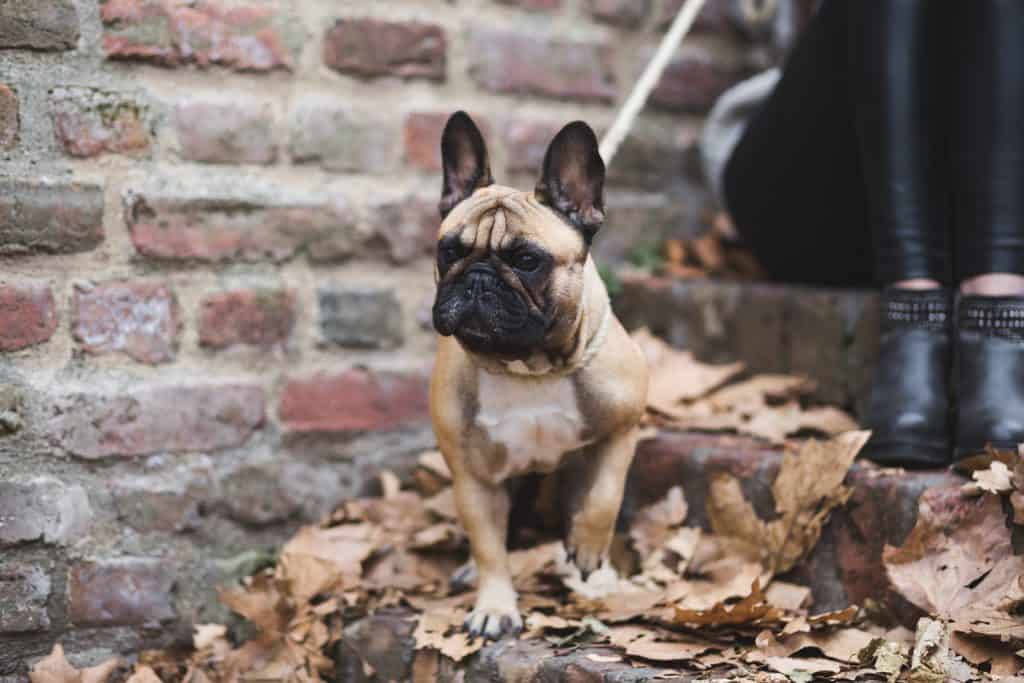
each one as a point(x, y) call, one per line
point(572, 181)
point(464, 160)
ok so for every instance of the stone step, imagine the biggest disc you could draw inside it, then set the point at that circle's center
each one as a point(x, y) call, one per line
point(844, 568)
point(829, 335)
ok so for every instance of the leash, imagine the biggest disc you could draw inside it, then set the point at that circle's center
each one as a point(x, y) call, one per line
point(634, 104)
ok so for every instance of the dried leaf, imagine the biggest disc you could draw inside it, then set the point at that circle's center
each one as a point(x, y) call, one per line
point(143, 674)
point(317, 559)
point(995, 479)
point(844, 645)
point(207, 635)
point(807, 488)
point(677, 376)
point(754, 609)
point(962, 569)
point(55, 668)
point(808, 665)
point(441, 630)
point(655, 524)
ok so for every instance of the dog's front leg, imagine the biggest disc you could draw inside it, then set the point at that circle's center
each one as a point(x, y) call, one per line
point(596, 489)
point(484, 509)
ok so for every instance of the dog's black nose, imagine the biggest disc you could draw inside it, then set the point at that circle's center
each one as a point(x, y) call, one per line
point(478, 276)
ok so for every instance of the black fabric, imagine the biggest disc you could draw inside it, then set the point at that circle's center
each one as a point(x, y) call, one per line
point(892, 147)
point(908, 409)
point(990, 374)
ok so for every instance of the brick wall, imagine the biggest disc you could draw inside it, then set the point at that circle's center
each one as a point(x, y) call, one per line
point(215, 220)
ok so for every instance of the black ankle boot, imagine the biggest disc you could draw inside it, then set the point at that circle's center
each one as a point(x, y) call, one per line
point(990, 374)
point(908, 407)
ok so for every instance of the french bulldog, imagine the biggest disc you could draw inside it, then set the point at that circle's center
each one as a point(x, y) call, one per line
point(533, 370)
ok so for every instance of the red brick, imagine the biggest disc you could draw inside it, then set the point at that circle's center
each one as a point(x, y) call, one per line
point(172, 33)
point(219, 230)
point(37, 25)
point(27, 315)
point(170, 418)
point(534, 5)
point(693, 81)
point(526, 142)
point(370, 48)
point(137, 318)
point(90, 122)
point(353, 401)
point(248, 317)
point(628, 13)
point(512, 62)
point(8, 117)
point(226, 132)
point(422, 132)
point(126, 591)
point(56, 218)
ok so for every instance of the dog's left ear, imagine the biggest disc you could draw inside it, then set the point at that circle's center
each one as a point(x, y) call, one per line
point(572, 182)
point(464, 160)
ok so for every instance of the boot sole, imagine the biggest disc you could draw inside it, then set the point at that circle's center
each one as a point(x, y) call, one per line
point(909, 455)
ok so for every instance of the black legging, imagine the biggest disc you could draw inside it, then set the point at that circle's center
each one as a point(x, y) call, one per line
point(892, 148)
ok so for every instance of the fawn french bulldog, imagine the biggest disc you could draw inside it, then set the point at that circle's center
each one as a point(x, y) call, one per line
point(533, 371)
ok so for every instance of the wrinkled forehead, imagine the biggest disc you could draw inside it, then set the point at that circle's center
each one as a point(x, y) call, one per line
point(497, 217)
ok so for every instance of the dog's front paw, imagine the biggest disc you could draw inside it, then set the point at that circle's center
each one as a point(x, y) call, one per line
point(493, 623)
point(495, 614)
point(587, 559)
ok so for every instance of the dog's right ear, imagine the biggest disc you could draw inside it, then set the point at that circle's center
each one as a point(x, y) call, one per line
point(464, 160)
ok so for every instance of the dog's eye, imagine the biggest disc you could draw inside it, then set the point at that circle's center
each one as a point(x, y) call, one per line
point(526, 262)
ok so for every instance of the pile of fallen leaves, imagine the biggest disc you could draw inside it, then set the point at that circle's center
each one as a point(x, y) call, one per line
point(716, 253)
point(715, 602)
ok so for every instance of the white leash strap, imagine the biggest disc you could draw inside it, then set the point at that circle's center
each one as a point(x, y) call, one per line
point(642, 90)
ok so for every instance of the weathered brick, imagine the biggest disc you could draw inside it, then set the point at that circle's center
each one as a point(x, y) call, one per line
point(42, 509)
point(526, 141)
point(628, 13)
point(407, 227)
point(694, 79)
point(258, 496)
point(37, 25)
point(220, 230)
point(24, 592)
point(534, 5)
point(512, 62)
point(91, 122)
point(250, 317)
point(171, 418)
point(205, 33)
point(653, 157)
point(138, 318)
point(9, 121)
point(27, 315)
point(353, 401)
point(361, 317)
point(331, 134)
point(124, 591)
point(370, 48)
point(226, 132)
point(422, 133)
point(146, 508)
point(42, 217)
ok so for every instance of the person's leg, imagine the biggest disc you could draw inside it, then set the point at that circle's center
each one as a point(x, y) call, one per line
point(793, 184)
point(988, 164)
point(896, 53)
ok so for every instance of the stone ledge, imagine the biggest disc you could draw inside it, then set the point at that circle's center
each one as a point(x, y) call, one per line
point(830, 335)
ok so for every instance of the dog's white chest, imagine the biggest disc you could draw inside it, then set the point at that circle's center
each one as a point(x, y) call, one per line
point(534, 421)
